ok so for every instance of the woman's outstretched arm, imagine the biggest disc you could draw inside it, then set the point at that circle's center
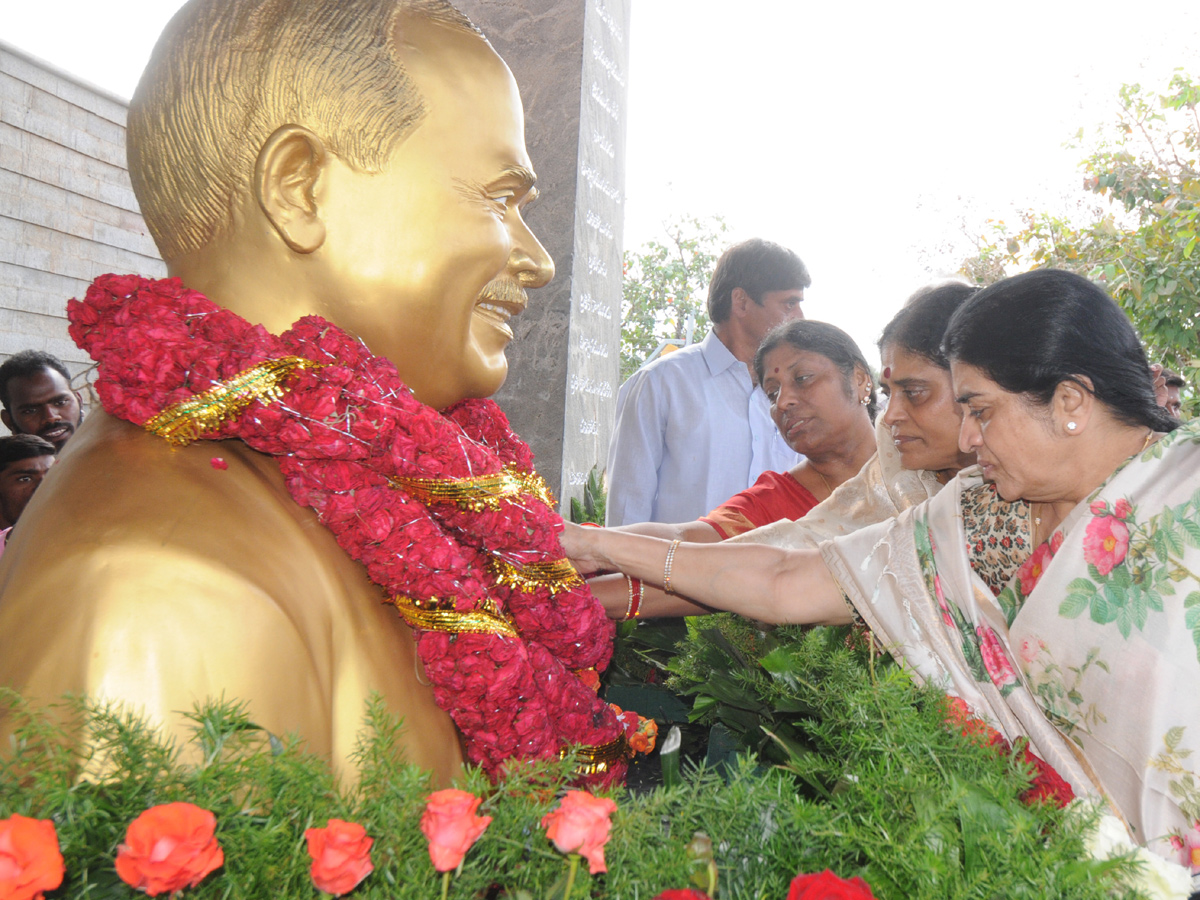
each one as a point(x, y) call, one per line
point(613, 593)
point(764, 583)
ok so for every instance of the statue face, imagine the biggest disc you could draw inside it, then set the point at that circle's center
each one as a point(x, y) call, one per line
point(426, 261)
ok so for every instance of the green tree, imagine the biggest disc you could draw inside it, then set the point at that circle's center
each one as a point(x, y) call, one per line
point(665, 283)
point(1141, 244)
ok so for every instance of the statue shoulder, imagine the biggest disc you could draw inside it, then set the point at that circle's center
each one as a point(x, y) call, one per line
point(166, 577)
point(136, 560)
point(123, 500)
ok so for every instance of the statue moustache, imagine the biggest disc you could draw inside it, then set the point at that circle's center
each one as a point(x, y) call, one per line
point(505, 293)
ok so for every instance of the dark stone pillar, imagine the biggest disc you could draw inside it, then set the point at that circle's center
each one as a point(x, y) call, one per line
point(569, 58)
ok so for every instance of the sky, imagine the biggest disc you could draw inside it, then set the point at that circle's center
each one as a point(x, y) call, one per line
point(875, 139)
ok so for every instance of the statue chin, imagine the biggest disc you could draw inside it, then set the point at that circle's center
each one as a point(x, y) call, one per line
point(151, 576)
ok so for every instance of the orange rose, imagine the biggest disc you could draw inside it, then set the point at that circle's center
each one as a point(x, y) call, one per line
point(341, 856)
point(450, 824)
point(581, 825)
point(29, 859)
point(168, 848)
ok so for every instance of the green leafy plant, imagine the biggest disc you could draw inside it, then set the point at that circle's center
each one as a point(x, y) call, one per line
point(591, 507)
point(882, 790)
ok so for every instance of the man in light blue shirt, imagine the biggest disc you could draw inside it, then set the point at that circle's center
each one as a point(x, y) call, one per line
point(692, 427)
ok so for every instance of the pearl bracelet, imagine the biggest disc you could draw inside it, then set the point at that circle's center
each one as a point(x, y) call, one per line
point(667, 565)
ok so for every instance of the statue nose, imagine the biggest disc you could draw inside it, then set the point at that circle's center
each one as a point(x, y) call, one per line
point(530, 262)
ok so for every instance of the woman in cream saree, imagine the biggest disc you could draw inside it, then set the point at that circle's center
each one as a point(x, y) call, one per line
point(1088, 645)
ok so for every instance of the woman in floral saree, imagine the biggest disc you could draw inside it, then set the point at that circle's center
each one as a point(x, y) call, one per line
point(1055, 588)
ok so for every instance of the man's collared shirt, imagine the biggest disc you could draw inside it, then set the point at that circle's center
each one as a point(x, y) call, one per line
point(692, 430)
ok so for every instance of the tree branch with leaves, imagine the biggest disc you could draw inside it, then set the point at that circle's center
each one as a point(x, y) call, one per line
point(665, 287)
point(1142, 246)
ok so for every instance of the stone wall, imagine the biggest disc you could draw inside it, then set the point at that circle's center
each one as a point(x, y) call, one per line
point(67, 212)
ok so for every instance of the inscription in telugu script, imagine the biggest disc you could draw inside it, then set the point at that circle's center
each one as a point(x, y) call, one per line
point(606, 103)
point(584, 384)
point(593, 219)
point(614, 27)
point(609, 66)
point(593, 347)
point(587, 304)
point(604, 144)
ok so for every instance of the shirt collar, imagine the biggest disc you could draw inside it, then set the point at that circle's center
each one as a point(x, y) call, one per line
point(717, 356)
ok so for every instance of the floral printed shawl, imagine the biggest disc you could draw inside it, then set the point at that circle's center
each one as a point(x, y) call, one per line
point(1091, 650)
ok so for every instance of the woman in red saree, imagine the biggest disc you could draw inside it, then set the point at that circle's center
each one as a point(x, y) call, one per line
point(823, 402)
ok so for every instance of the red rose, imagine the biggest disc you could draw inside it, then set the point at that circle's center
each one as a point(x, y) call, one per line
point(682, 894)
point(450, 824)
point(581, 825)
point(168, 848)
point(29, 858)
point(1047, 783)
point(341, 856)
point(827, 886)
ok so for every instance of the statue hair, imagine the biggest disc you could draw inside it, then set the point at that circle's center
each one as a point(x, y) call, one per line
point(1031, 332)
point(226, 74)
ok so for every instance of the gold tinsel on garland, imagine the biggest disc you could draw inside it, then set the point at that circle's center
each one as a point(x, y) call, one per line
point(184, 422)
point(483, 492)
point(593, 760)
point(557, 575)
point(432, 618)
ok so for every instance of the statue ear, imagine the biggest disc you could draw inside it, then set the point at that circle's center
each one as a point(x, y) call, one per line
point(285, 179)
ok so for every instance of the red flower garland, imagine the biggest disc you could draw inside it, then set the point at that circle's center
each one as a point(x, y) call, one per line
point(343, 433)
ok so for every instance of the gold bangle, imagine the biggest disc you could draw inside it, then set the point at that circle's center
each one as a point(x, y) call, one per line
point(667, 566)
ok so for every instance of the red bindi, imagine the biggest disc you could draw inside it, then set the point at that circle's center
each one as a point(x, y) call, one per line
point(776, 372)
point(887, 373)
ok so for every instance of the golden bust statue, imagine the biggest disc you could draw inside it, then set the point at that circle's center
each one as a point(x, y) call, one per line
point(360, 160)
